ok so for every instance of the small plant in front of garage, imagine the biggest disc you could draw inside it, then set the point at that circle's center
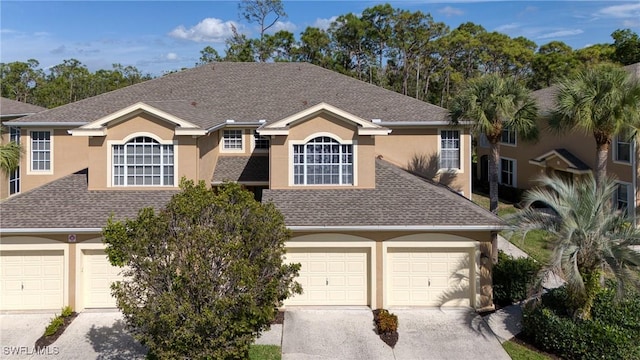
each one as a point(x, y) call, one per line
point(203, 276)
point(386, 326)
point(56, 327)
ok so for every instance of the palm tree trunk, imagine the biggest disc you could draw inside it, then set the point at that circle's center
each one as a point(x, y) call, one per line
point(494, 157)
point(602, 152)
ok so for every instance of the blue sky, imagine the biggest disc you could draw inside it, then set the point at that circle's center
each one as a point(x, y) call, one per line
point(159, 36)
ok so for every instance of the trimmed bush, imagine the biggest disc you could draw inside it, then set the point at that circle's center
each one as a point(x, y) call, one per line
point(387, 322)
point(613, 333)
point(512, 278)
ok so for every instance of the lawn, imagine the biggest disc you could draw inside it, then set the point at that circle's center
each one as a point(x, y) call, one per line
point(519, 352)
point(535, 244)
point(265, 352)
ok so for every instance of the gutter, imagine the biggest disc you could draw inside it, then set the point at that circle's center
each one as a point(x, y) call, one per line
point(45, 123)
point(50, 231)
point(399, 227)
point(419, 123)
point(233, 123)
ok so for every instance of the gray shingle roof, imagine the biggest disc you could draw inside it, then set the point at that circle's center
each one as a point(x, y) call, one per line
point(10, 107)
point(210, 94)
point(66, 203)
point(399, 199)
point(576, 163)
point(242, 169)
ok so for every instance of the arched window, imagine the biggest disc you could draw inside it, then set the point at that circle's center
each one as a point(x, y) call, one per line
point(323, 161)
point(143, 162)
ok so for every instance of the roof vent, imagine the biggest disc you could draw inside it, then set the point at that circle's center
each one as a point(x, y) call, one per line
point(376, 121)
point(230, 121)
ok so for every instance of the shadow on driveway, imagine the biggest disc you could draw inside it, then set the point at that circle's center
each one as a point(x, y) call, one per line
point(114, 342)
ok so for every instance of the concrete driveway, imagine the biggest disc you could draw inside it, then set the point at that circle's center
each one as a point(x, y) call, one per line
point(328, 333)
point(92, 335)
point(423, 334)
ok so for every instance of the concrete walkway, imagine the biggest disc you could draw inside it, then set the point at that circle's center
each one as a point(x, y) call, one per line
point(506, 323)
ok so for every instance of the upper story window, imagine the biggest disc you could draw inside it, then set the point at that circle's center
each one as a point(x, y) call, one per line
point(143, 162)
point(508, 136)
point(323, 161)
point(232, 140)
point(40, 151)
point(450, 149)
point(622, 148)
point(260, 142)
point(14, 177)
point(507, 172)
point(621, 196)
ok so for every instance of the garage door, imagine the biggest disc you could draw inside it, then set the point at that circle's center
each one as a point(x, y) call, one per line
point(427, 278)
point(31, 280)
point(331, 277)
point(98, 276)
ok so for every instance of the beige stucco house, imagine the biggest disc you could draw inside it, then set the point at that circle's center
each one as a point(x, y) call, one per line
point(567, 155)
point(10, 110)
point(339, 157)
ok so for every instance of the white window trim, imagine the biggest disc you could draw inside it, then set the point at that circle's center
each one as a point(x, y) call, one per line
point(354, 149)
point(242, 139)
point(515, 140)
point(461, 134)
point(514, 174)
point(110, 143)
point(614, 153)
point(253, 143)
point(17, 170)
point(630, 203)
point(30, 170)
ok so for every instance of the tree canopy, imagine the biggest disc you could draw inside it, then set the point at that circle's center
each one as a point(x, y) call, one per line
point(203, 276)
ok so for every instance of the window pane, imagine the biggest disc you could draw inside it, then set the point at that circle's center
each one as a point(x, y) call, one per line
point(140, 162)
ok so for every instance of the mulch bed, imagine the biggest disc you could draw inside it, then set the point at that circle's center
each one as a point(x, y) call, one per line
point(279, 319)
point(389, 338)
point(45, 341)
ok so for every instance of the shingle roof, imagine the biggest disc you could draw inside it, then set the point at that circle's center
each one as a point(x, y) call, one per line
point(242, 169)
point(66, 203)
point(210, 94)
point(10, 107)
point(399, 199)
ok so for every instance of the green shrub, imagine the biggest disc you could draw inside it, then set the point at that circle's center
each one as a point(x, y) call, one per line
point(66, 311)
point(512, 278)
point(54, 325)
point(613, 333)
point(386, 322)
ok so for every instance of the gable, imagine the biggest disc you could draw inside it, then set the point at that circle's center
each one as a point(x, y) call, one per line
point(100, 127)
point(323, 110)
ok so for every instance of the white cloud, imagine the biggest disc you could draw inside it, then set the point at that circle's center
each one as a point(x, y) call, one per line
point(208, 30)
point(324, 23)
point(450, 11)
point(507, 27)
point(560, 33)
point(631, 23)
point(621, 11)
point(172, 56)
point(283, 25)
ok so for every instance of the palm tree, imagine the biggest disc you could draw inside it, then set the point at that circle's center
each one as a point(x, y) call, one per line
point(494, 104)
point(603, 100)
point(591, 239)
point(9, 156)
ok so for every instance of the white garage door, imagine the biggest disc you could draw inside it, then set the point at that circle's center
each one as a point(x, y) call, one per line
point(98, 276)
point(330, 276)
point(31, 280)
point(419, 277)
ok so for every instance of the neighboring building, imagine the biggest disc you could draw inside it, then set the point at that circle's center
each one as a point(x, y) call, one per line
point(331, 152)
point(566, 155)
point(9, 110)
